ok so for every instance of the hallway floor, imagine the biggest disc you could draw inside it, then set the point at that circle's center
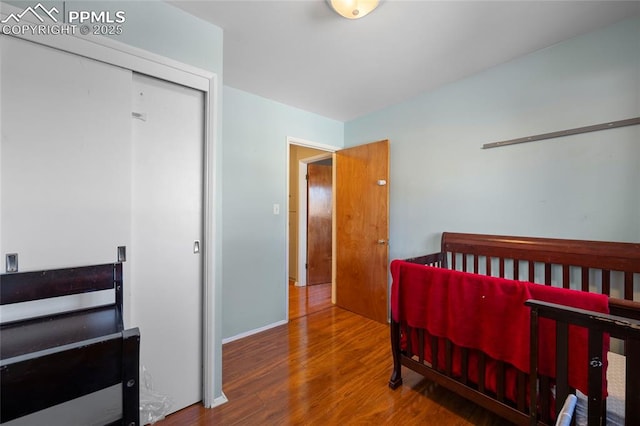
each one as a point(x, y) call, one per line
point(309, 299)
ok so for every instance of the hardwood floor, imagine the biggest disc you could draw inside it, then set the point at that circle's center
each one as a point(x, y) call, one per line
point(308, 299)
point(327, 366)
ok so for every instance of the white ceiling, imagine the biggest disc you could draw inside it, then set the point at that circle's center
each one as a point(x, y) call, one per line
point(303, 54)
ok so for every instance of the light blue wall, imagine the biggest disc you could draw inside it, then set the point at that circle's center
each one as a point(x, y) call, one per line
point(166, 30)
point(584, 186)
point(157, 27)
point(254, 178)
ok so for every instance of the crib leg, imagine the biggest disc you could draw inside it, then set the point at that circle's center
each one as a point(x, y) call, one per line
point(396, 375)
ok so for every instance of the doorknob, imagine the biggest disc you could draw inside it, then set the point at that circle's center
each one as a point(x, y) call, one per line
point(382, 241)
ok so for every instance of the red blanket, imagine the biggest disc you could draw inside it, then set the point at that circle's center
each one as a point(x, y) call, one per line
point(488, 314)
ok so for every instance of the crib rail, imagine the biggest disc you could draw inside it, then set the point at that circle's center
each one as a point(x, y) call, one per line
point(598, 325)
point(434, 259)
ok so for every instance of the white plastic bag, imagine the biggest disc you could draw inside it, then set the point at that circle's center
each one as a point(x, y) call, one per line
point(154, 406)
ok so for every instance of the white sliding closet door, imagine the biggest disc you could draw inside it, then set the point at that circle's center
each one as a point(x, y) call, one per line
point(65, 167)
point(166, 271)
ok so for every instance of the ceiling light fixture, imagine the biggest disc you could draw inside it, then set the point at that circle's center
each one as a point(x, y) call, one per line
point(353, 9)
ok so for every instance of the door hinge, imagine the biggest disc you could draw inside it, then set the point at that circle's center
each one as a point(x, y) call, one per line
point(306, 266)
point(306, 177)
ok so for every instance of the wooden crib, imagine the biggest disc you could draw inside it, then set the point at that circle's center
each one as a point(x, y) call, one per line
point(526, 395)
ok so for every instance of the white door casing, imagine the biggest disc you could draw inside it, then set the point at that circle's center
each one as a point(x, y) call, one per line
point(302, 243)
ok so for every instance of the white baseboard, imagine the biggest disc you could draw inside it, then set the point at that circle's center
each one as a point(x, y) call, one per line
point(252, 332)
point(222, 399)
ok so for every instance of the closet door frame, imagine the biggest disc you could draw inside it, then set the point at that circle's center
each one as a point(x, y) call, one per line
point(138, 60)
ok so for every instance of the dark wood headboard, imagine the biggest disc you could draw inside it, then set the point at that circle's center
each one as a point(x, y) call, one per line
point(58, 282)
point(28, 286)
point(589, 254)
point(601, 255)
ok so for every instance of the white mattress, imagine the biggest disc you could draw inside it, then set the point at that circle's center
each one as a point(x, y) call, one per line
point(615, 390)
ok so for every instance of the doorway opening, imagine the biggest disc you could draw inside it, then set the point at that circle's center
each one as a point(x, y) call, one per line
point(361, 211)
point(303, 299)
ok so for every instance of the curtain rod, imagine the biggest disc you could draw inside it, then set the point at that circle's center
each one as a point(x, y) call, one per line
point(575, 131)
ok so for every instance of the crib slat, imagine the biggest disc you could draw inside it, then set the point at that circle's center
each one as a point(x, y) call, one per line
point(632, 383)
point(475, 264)
point(628, 285)
point(500, 381)
point(606, 282)
point(547, 273)
point(562, 363)
point(595, 377)
point(566, 279)
point(421, 344)
point(434, 352)
point(481, 370)
point(488, 265)
point(532, 271)
point(464, 367)
point(521, 380)
point(448, 355)
point(454, 261)
point(545, 399)
point(516, 269)
point(502, 268)
point(585, 278)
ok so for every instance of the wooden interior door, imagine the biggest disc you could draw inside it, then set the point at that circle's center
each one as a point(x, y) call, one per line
point(319, 218)
point(362, 221)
